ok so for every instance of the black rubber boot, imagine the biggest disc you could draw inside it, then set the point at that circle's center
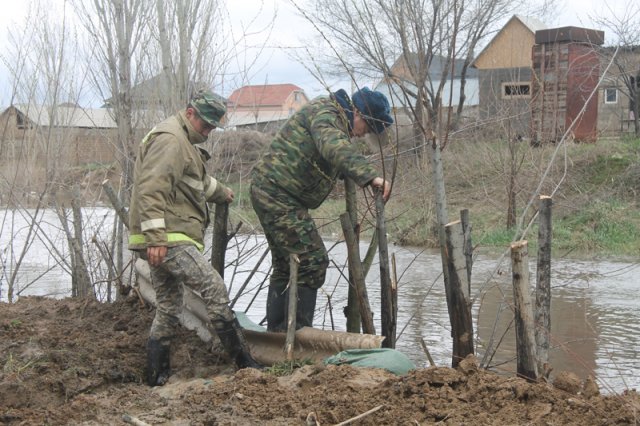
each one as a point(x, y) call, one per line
point(232, 338)
point(277, 305)
point(158, 363)
point(306, 307)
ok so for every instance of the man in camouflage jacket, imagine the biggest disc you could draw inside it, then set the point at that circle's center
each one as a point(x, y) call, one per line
point(310, 152)
point(168, 217)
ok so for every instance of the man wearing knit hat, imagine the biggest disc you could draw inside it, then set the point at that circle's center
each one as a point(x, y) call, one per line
point(167, 219)
point(307, 156)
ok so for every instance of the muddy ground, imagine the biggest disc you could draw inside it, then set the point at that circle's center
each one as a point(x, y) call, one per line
point(76, 362)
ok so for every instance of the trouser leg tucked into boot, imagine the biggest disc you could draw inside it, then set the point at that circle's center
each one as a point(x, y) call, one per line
point(277, 309)
point(232, 338)
point(158, 362)
point(306, 306)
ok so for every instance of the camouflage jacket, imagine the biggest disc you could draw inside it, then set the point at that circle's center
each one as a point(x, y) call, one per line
point(309, 153)
point(171, 188)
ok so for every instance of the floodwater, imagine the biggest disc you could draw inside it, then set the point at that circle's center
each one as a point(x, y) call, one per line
point(595, 314)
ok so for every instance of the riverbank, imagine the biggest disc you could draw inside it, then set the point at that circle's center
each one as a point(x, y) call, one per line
point(81, 362)
point(595, 190)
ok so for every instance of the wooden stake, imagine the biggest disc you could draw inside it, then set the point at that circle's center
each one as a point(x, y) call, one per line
point(220, 238)
point(294, 262)
point(525, 335)
point(357, 274)
point(387, 318)
point(543, 286)
point(458, 297)
point(352, 311)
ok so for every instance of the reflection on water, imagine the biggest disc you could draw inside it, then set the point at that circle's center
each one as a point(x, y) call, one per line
point(594, 314)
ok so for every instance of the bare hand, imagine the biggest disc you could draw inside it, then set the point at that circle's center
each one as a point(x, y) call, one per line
point(156, 255)
point(230, 195)
point(385, 185)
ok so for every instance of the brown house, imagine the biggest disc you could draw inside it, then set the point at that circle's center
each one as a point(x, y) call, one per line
point(504, 71)
point(68, 133)
point(566, 70)
point(265, 107)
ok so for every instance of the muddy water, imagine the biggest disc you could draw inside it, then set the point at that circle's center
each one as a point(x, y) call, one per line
point(595, 312)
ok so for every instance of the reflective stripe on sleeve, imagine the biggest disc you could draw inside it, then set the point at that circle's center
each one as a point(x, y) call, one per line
point(172, 237)
point(213, 184)
point(193, 183)
point(152, 224)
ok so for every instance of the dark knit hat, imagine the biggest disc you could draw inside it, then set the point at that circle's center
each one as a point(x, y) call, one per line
point(209, 107)
point(374, 108)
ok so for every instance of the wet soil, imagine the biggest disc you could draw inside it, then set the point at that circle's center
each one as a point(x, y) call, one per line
point(81, 362)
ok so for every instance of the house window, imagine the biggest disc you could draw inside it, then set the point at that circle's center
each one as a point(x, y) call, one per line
point(296, 96)
point(516, 90)
point(611, 96)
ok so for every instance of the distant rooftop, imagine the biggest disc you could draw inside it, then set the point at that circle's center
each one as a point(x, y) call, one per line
point(263, 95)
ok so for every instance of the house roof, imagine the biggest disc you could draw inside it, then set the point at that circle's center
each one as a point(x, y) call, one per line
point(78, 117)
point(245, 118)
point(532, 24)
point(67, 116)
point(438, 62)
point(262, 95)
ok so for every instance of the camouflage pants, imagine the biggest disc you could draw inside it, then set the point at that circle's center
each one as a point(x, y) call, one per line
point(185, 265)
point(289, 229)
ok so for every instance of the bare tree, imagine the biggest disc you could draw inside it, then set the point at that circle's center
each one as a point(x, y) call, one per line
point(116, 31)
point(47, 88)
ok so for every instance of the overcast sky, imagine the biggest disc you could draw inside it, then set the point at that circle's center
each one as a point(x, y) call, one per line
point(277, 65)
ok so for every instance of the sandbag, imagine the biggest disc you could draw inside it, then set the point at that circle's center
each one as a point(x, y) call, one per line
point(389, 359)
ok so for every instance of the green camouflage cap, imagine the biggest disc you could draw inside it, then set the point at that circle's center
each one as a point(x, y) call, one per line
point(209, 107)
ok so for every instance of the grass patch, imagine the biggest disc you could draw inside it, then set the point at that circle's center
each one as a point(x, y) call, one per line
point(286, 368)
point(608, 227)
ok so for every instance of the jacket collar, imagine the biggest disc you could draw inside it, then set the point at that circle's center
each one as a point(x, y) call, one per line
point(193, 136)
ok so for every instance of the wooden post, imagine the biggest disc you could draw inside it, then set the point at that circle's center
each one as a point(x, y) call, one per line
point(387, 318)
point(220, 238)
point(468, 245)
point(543, 285)
point(293, 306)
point(353, 306)
point(525, 335)
point(458, 296)
point(357, 274)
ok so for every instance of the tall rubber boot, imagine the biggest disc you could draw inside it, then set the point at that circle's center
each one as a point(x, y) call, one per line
point(306, 306)
point(277, 305)
point(232, 338)
point(158, 363)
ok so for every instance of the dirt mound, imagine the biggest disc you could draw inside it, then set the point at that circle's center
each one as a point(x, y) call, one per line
point(71, 361)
